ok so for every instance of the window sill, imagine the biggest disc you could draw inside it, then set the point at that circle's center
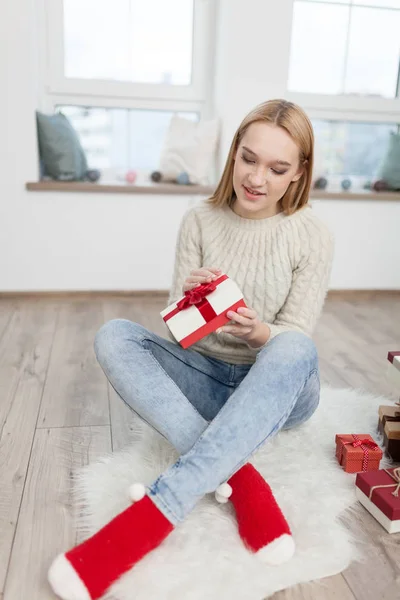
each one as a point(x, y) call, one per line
point(115, 188)
point(170, 188)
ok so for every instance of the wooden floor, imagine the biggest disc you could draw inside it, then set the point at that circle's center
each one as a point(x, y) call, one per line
point(57, 413)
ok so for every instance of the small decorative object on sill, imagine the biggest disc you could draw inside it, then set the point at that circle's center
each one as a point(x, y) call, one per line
point(346, 184)
point(380, 186)
point(379, 493)
point(202, 310)
point(130, 176)
point(156, 176)
point(320, 183)
point(357, 452)
point(92, 175)
point(183, 179)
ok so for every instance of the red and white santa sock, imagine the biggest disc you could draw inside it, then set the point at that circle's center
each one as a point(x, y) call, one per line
point(262, 526)
point(88, 570)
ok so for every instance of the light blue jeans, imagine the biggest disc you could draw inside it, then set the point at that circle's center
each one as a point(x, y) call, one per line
point(214, 413)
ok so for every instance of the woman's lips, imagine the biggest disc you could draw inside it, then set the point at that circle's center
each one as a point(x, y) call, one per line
point(252, 194)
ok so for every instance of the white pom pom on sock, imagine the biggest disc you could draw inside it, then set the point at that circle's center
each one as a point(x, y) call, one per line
point(137, 491)
point(223, 493)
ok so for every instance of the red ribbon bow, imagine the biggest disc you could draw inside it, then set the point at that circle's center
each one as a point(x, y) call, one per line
point(365, 442)
point(196, 295)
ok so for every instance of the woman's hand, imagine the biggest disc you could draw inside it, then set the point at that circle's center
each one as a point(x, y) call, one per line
point(199, 276)
point(246, 325)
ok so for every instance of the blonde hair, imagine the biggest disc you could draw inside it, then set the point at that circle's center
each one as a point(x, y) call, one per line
point(294, 120)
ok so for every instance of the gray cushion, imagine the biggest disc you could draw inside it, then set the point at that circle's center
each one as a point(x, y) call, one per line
point(59, 147)
point(389, 170)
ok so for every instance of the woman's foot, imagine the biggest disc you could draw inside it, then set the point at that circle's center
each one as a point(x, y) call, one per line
point(262, 526)
point(88, 570)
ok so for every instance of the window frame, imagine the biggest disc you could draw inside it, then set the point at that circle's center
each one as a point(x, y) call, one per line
point(345, 107)
point(118, 94)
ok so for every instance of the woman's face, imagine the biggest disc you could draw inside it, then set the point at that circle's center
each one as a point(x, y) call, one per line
point(266, 162)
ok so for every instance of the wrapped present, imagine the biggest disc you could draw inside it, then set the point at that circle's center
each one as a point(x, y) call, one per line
point(357, 453)
point(202, 310)
point(388, 413)
point(393, 369)
point(391, 438)
point(379, 492)
point(394, 358)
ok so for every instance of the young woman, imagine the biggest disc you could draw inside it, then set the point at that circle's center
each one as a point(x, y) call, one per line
point(223, 398)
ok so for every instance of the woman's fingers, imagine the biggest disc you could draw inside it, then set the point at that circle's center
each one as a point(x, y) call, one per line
point(237, 330)
point(206, 272)
point(196, 279)
point(198, 276)
point(246, 321)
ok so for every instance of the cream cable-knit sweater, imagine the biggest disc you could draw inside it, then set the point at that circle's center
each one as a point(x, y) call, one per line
point(282, 265)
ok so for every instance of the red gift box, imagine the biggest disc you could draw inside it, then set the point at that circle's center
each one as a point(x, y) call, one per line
point(357, 452)
point(379, 492)
point(202, 310)
point(394, 358)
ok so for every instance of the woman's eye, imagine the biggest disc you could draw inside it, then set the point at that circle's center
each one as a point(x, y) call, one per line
point(278, 172)
point(247, 160)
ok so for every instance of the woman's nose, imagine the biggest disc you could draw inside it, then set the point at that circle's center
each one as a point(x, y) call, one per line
point(257, 178)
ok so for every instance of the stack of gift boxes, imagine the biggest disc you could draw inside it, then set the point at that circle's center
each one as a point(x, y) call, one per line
point(377, 489)
point(204, 309)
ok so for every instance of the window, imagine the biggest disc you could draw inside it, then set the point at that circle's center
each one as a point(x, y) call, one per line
point(131, 49)
point(358, 47)
point(127, 40)
point(352, 149)
point(121, 139)
point(119, 69)
point(344, 70)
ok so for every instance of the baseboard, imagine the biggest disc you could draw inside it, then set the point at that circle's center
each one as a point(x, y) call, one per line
point(85, 293)
point(365, 294)
point(345, 294)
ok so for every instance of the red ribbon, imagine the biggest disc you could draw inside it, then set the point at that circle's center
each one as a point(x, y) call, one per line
point(365, 444)
point(196, 295)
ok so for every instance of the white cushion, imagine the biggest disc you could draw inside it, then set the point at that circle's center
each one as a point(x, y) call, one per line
point(190, 147)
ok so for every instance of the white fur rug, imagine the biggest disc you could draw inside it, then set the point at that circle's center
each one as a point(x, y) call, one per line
point(204, 557)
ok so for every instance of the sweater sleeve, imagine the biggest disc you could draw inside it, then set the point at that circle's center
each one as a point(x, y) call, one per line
point(188, 253)
point(310, 281)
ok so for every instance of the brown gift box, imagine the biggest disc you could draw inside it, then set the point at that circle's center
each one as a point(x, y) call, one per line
point(389, 427)
point(354, 456)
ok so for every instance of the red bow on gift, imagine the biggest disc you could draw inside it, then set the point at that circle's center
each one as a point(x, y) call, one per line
point(196, 295)
point(364, 442)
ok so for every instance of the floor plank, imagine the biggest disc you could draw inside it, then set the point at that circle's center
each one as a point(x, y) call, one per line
point(76, 391)
point(146, 312)
point(24, 355)
point(45, 525)
point(329, 588)
point(7, 309)
point(379, 572)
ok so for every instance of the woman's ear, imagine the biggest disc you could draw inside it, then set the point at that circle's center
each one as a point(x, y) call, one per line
point(300, 171)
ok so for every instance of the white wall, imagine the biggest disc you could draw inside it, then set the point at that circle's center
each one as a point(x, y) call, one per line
point(52, 241)
point(367, 243)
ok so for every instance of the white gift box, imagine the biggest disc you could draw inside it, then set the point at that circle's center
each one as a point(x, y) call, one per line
point(202, 310)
